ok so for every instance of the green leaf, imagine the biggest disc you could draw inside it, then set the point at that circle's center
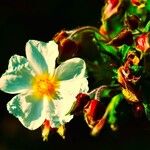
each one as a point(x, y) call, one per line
point(115, 101)
point(147, 65)
point(137, 70)
point(115, 25)
point(108, 48)
point(123, 50)
point(147, 6)
point(147, 27)
point(147, 110)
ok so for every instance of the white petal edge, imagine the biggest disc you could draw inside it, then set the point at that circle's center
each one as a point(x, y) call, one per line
point(27, 109)
point(56, 111)
point(42, 55)
point(35, 57)
point(18, 76)
point(70, 69)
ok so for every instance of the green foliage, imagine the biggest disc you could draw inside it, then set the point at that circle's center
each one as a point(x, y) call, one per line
point(123, 51)
point(147, 110)
point(137, 70)
point(109, 50)
point(147, 27)
point(115, 101)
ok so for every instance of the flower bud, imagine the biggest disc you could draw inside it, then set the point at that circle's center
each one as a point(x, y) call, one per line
point(135, 2)
point(93, 111)
point(124, 37)
point(80, 42)
point(132, 22)
point(142, 42)
point(111, 7)
point(98, 127)
point(60, 36)
point(82, 100)
point(67, 47)
point(138, 3)
point(103, 30)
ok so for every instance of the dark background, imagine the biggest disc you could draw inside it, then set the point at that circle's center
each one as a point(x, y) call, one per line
point(21, 20)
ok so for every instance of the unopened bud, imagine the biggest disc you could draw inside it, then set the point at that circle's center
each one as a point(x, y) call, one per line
point(82, 100)
point(142, 42)
point(124, 37)
point(138, 3)
point(103, 30)
point(111, 8)
point(60, 36)
point(67, 47)
point(93, 112)
point(132, 22)
point(98, 127)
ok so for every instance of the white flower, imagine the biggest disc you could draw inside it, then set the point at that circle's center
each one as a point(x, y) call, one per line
point(44, 93)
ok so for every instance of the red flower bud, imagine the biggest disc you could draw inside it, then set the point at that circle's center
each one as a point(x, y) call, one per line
point(82, 100)
point(142, 42)
point(124, 37)
point(103, 30)
point(132, 22)
point(98, 127)
point(137, 2)
point(93, 112)
point(111, 8)
point(67, 47)
point(60, 36)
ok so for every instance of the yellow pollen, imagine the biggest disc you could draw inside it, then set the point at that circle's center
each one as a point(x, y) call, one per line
point(45, 85)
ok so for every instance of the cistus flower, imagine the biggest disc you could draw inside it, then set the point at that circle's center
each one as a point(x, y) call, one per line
point(143, 42)
point(111, 7)
point(128, 80)
point(44, 93)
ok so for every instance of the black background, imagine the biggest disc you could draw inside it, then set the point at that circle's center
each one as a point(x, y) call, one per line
point(21, 20)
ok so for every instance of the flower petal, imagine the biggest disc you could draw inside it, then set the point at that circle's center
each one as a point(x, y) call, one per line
point(50, 113)
point(16, 61)
point(58, 109)
point(74, 86)
point(70, 69)
point(27, 109)
point(18, 76)
point(42, 55)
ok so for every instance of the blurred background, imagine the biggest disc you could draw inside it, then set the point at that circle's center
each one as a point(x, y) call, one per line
point(21, 20)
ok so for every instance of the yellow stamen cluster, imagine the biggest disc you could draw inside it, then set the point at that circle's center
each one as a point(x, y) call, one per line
point(45, 85)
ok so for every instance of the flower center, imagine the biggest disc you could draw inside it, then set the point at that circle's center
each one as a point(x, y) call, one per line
point(45, 85)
